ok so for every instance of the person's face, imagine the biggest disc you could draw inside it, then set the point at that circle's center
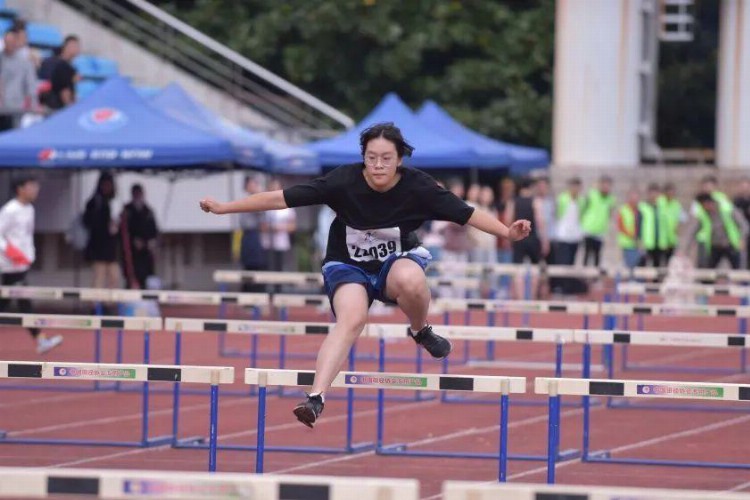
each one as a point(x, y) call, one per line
point(72, 49)
point(107, 188)
point(508, 188)
point(709, 206)
point(669, 192)
point(22, 39)
point(653, 195)
point(381, 162)
point(605, 187)
point(542, 188)
point(486, 196)
point(138, 196)
point(708, 187)
point(633, 197)
point(29, 191)
point(252, 186)
point(11, 42)
point(472, 194)
point(575, 189)
point(745, 188)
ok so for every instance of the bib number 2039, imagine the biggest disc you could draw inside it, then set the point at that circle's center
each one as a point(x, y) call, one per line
point(372, 244)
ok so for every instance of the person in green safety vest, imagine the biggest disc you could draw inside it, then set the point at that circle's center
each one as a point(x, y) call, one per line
point(653, 228)
point(720, 229)
point(709, 185)
point(568, 231)
point(628, 229)
point(674, 217)
point(742, 202)
point(597, 212)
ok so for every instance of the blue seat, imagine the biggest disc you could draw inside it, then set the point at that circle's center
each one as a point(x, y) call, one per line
point(6, 12)
point(44, 35)
point(5, 24)
point(84, 88)
point(93, 67)
point(107, 67)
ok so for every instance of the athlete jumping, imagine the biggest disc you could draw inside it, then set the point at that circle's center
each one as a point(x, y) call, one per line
point(373, 251)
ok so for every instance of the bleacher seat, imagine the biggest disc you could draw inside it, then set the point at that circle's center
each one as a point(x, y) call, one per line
point(5, 24)
point(84, 88)
point(97, 68)
point(7, 13)
point(44, 35)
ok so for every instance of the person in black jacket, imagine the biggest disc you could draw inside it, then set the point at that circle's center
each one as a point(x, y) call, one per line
point(101, 249)
point(138, 233)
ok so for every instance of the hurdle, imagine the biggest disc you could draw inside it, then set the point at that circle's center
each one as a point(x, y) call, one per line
point(461, 490)
point(212, 375)
point(631, 288)
point(554, 388)
point(93, 323)
point(612, 311)
point(400, 381)
point(20, 482)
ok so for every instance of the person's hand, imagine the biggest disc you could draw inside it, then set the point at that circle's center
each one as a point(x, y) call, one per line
point(519, 230)
point(210, 206)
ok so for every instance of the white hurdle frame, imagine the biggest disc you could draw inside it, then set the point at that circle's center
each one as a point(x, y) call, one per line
point(17, 482)
point(554, 388)
point(63, 370)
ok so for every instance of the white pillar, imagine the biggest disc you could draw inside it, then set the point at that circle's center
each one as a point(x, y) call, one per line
point(596, 95)
point(733, 102)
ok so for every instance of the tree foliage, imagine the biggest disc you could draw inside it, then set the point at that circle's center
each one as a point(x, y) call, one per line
point(488, 63)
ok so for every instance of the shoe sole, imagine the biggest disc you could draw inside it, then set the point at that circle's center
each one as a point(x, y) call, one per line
point(450, 350)
point(305, 415)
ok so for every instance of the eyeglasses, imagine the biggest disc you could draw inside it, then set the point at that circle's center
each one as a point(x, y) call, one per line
point(372, 161)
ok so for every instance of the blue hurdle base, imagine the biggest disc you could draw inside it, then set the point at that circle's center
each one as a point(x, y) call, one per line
point(419, 396)
point(402, 449)
point(200, 443)
point(149, 443)
point(627, 405)
point(447, 398)
point(604, 456)
point(52, 388)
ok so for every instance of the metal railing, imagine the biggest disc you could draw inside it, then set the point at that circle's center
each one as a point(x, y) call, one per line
point(215, 64)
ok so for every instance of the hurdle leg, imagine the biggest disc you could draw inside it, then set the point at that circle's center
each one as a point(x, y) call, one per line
point(381, 398)
point(145, 391)
point(222, 315)
point(97, 342)
point(213, 424)
point(558, 359)
point(585, 402)
point(350, 405)
point(552, 432)
point(503, 458)
point(254, 356)
point(743, 331)
point(467, 345)
point(261, 439)
point(176, 388)
point(119, 353)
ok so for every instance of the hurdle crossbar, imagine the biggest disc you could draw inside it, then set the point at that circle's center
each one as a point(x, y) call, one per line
point(210, 375)
point(554, 388)
point(268, 277)
point(694, 288)
point(460, 490)
point(19, 482)
point(504, 386)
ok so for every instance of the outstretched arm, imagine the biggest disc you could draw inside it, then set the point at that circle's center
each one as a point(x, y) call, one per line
point(486, 222)
point(261, 202)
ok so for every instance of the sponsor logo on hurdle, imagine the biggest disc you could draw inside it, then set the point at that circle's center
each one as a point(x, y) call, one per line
point(31, 294)
point(256, 328)
point(178, 298)
point(73, 372)
point(351, 379)
point(518, 307)
point(680, 390)
point(62, 322)
point(698, 311)
point(162, 488)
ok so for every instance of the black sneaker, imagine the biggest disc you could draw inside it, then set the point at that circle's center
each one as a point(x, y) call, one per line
point(437, 346)
point(309, 410)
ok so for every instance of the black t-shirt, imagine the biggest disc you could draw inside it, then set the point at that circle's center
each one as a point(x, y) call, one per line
point(62, 78)
point(369, 225)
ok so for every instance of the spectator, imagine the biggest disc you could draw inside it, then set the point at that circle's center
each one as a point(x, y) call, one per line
point(504, 252)
point(547, 213)
point(139, 233)
point(63, 76)
point(252, 253)
point(628, 229)
point(742, 202)
point(528, 207)
point(720, 228)
point(18, 251)
point(48, 65)
point(709, 185)
point(569, 231)
point(17, 82)
point(432, 236)
point(653, 228)
point(277, 228)
point(456, 249)
point(674, 216)
point(595, 221)
point(484, 244)
point(101, 249)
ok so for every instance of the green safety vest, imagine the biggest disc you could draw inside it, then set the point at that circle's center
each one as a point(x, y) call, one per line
point(628, 220)
point(563, 202)
point(595, 220)
point(733, 232)
point(648, 227)
point(724, 203)
point(672, 210)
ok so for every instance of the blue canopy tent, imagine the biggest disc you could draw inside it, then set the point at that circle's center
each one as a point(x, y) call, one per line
point(522, 158)
point(251, 148)
point(113, 127)
point(432, 150)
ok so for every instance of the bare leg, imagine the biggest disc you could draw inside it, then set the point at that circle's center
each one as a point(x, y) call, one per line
point(407, 285)
point(100, 274)
point(113, 275)
point(351, 305)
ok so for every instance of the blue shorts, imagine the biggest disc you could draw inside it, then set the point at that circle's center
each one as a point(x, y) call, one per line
point(336, 274)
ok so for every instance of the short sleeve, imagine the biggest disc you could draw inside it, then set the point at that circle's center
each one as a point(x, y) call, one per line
point(443, 204)
point(316, 192)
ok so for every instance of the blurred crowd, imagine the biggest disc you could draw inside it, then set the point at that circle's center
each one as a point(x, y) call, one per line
point(32, 85)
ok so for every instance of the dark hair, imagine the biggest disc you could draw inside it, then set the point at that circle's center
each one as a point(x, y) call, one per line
point(575, 181)
point(669, 186)
point(605, 178)
point(20, 181)
point(136, 188)
point(704, 198)
point(70, 38)
point(13, 29)
point(389, 132)
point(526, 183)
point(105, 177)
point(710, 178)
point(653, 187)
point(19, 24)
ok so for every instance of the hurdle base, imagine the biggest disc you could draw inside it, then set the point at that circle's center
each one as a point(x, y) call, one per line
point(200, 443)
point(642, 367)
point(623, 404)
point(456, 399)
point(604, 456)
point(531, 365)
point(149, 443)
point(419, 396)
point(403, 450)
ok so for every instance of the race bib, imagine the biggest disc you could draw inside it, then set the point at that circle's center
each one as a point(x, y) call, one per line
point(372, 244)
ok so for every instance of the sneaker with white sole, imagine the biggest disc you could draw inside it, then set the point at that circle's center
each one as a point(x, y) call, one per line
point(437, 346)
point(309, 410)
point(46, 344)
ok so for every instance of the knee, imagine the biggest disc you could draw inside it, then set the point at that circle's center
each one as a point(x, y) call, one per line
point(352, 322)
point(411, 284)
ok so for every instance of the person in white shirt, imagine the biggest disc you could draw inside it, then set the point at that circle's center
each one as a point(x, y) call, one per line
point(277, 228)
point(569, 230)
point(17, 252)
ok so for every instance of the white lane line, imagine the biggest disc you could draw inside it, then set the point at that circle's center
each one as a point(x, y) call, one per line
point(739, 487)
